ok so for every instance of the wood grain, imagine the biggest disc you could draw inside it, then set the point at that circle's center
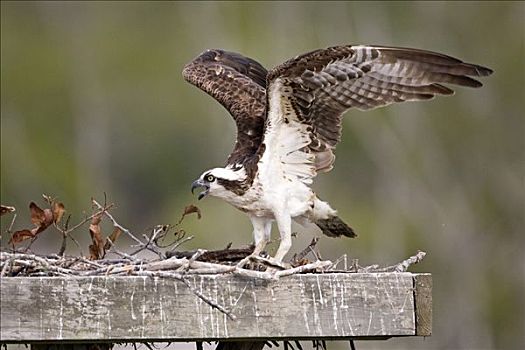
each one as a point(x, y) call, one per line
point(331, 306)
point(423, 302)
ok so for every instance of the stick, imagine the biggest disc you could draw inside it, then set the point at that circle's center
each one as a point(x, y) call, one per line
point(306, 250)
point(115, 223)
point(207, 300)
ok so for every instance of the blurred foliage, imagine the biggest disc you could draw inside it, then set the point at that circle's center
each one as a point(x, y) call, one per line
point(92, 101)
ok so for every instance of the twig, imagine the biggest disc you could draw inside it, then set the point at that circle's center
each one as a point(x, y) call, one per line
point(89, 218)
point(405, 264)
point(115, 223)
point(180, 242)
point(10, 228)
point(195, 291)
point(355, 265)
point(64, 236)
point(318, 266)
point(185, 268)
point(6, 266)
point(341, 258)
point(66, 231)
point(267, 262)
point(315, 253)
point(90, 262)
point(301, 255)
point(114, 250)
point(164, 230)
point(56, 265)
point(370, 268)
point(149, 246)
point(208, 301)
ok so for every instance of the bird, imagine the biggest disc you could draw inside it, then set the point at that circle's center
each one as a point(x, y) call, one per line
point(289, 121)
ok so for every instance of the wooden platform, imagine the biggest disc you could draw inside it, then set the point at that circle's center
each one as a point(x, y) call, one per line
point(137, 309)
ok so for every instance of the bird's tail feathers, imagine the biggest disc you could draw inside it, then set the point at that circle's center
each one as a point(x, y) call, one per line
point(333, 226)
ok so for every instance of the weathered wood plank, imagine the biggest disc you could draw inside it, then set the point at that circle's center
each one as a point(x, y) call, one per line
point(423, 302)
point(305, 306)
point(71, 346)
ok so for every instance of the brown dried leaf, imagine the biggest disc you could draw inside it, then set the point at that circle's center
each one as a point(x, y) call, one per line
point(113, 237)
point(57, 208)
point(58, 211)
point(40, 218)
point(190, 209)
point(48, 220)
point(93, 252)
point(97, 248)
point(4, 209)
point(37, 215)
point(20, 236)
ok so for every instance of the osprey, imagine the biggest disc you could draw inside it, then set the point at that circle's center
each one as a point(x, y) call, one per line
point(289, 122)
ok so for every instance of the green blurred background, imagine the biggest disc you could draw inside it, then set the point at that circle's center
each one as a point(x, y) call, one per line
point(92, 101)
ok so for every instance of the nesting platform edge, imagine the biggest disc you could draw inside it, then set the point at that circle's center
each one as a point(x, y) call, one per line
point(327, 306)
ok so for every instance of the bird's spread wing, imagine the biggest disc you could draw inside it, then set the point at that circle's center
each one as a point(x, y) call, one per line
point(308, 95)
point(239, 84)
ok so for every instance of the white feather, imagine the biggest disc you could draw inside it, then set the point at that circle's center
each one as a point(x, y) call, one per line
point(286, 140)
point(228, 173)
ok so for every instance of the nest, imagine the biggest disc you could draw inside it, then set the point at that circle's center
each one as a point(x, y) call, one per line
point(168, 260)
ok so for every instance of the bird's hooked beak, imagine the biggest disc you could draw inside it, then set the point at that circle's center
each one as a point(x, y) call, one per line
point(199, 183)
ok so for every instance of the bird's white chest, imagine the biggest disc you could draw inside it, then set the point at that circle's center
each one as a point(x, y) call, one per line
point(284, 169)
point(272, 190)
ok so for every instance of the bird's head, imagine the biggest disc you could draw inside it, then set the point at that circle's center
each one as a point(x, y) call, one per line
point(219, 182)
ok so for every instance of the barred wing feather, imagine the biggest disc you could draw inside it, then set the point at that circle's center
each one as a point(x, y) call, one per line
point(308, 95)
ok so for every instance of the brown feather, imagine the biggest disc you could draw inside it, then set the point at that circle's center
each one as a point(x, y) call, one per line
point(238, 83)
point(328, 82)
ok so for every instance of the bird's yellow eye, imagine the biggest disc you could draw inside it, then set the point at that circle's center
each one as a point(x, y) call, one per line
point(210, 178)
